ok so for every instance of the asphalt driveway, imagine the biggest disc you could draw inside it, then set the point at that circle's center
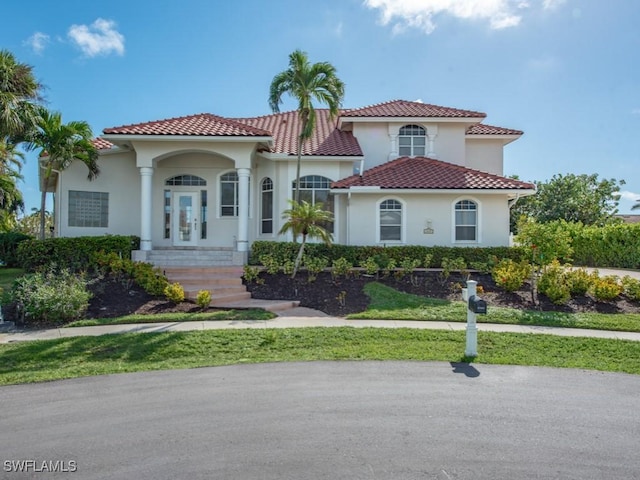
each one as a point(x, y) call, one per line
point(328, 420)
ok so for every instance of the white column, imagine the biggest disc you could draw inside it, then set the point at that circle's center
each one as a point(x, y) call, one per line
point(431, 153)
point(394, 146)
point(146, 200)
point(243, 209)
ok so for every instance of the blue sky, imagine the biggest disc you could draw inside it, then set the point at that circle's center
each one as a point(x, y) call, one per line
point(564, 71)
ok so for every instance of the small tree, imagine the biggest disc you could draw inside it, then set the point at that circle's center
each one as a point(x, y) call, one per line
point(307, 220)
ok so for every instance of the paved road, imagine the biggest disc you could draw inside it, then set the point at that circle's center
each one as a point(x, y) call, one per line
point(330, 420)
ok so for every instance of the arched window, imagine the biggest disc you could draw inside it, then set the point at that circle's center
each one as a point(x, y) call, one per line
point(229, 194)
point(412, 141)
point(466, 221)
point(186, 180)
point(390, 215)
point(315, 189)
point(266, 209)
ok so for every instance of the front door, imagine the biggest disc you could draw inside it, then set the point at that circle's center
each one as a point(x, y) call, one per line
point(185, 219)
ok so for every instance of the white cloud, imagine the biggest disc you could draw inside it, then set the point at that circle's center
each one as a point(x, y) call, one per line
point(420, 14)
point(635, 111)
point(99, 38)
point(38, 41)
point(630, 196)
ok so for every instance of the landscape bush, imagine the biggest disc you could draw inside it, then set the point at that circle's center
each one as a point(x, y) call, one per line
point(579, 281)
point(9, 247)
point(203, 299)
point(554, 283)
point(126, 271)
point(174, 292)
point(631, 287)
point(511, 275)
point(75, 253)
point(358, 255)
point(616, 245)
point(605, 289)
point(50, 298)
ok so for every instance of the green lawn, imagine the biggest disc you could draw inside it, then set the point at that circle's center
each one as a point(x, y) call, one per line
point(248, 314)
point(389, 304)
point(83, 356)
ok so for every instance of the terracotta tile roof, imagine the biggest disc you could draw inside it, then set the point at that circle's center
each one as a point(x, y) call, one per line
point(482, 129)
point(327, 140)
point(403, 108)
point(203, 124)
point(101, 143)
point(430, 174)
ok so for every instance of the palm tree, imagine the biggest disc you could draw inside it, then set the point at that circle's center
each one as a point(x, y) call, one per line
point(306, 82)
point(19, 96)
point(636, 206)
point(60, 145)
point(306, 219)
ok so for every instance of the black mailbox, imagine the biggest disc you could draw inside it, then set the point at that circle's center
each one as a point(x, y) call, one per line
point(477, 305)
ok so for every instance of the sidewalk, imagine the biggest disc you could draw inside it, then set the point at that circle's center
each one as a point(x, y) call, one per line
point(299, 318)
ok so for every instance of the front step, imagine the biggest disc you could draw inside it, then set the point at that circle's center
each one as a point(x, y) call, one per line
point(224, 284)
point(194, 257)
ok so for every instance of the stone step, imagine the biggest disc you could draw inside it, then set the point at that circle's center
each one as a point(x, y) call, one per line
point(226, 271)
point(269, 305)
point(222, 299)
point(212, 282)
point(191, 291)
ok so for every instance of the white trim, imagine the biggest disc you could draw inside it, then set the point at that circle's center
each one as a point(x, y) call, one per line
point(478, 240)
point(288, 157)
point(403, 224)
point(219, 196)
point(111, 137)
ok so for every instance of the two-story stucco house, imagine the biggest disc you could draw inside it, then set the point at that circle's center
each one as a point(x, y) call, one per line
point(394, 173)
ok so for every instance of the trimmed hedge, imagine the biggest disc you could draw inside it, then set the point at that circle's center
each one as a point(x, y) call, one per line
point(74, 253)
point(615, 246)
point(357, 255)
point(9, 246)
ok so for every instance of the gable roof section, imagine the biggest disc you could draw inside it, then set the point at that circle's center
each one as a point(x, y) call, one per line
point(483, 129)
point(101, 143)
point(404, 108)
point(203, 124)
point(428, 174)
point(327, 139)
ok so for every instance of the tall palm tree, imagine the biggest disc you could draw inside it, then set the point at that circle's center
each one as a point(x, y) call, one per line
point(306, 82)
point(19, 97)
point(60, 145)
point(306, 219)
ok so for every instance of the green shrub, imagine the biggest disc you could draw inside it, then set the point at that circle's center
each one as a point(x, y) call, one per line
point(250, 274)
point(174, 292)
point(288, 266)
point(341, 267)
point(554, 283)
point(9, 247)
point(127, 272)
point(370, 266)
point(511, 275)
point(76, 253)
point(631, 287)
point(271, 264)
point(545, 241)
point(51, 297)
point(579, 281)
point(314, 266)
point(203, 299)
point(426, 261)
point(607, 288)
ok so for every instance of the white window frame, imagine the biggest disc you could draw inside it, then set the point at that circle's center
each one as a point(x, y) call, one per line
point(235, 195)
point(478, 211)
point(273, 198)
point(412, 138)
point(403, 220)
point(313, 190)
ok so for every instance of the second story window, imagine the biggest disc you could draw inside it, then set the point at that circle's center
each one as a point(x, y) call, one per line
point(412, 141)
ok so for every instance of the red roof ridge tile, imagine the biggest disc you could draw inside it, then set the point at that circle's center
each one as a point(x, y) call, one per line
point(486, 129)
point(423, 109)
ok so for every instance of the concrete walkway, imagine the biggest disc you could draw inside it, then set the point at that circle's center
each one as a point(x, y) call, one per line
point(298, 318)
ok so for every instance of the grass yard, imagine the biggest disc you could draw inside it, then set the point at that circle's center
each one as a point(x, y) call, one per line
point(83, 356)
point(248, 314)
point(389, 304)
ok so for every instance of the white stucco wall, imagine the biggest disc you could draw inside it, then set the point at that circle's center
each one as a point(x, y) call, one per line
point(485, 155)
point(117, 174)
point(419, 210)
point(374, 141)
point(450, 144)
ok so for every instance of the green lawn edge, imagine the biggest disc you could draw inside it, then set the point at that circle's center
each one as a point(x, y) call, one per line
point(234, 314)
point(46, 360)
point(390, 304)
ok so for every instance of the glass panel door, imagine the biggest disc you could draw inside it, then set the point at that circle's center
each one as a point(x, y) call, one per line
point(185, 221)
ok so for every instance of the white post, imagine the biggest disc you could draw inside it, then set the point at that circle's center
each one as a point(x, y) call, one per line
point(471, 349)
point(243, 209)
point(146, 200)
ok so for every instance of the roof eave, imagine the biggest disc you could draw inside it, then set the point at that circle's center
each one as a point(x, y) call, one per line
point(287, 157)
point(363, 119)
point(506, 138)
point(117, 138)
point(397, 191)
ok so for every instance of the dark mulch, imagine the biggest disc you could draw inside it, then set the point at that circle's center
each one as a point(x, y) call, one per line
point(344, 296)
point(337, 297)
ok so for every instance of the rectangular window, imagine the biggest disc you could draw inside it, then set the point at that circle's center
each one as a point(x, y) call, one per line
point(267, 211)
point(466, 225)
point(229, 199)
point(88, 209)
